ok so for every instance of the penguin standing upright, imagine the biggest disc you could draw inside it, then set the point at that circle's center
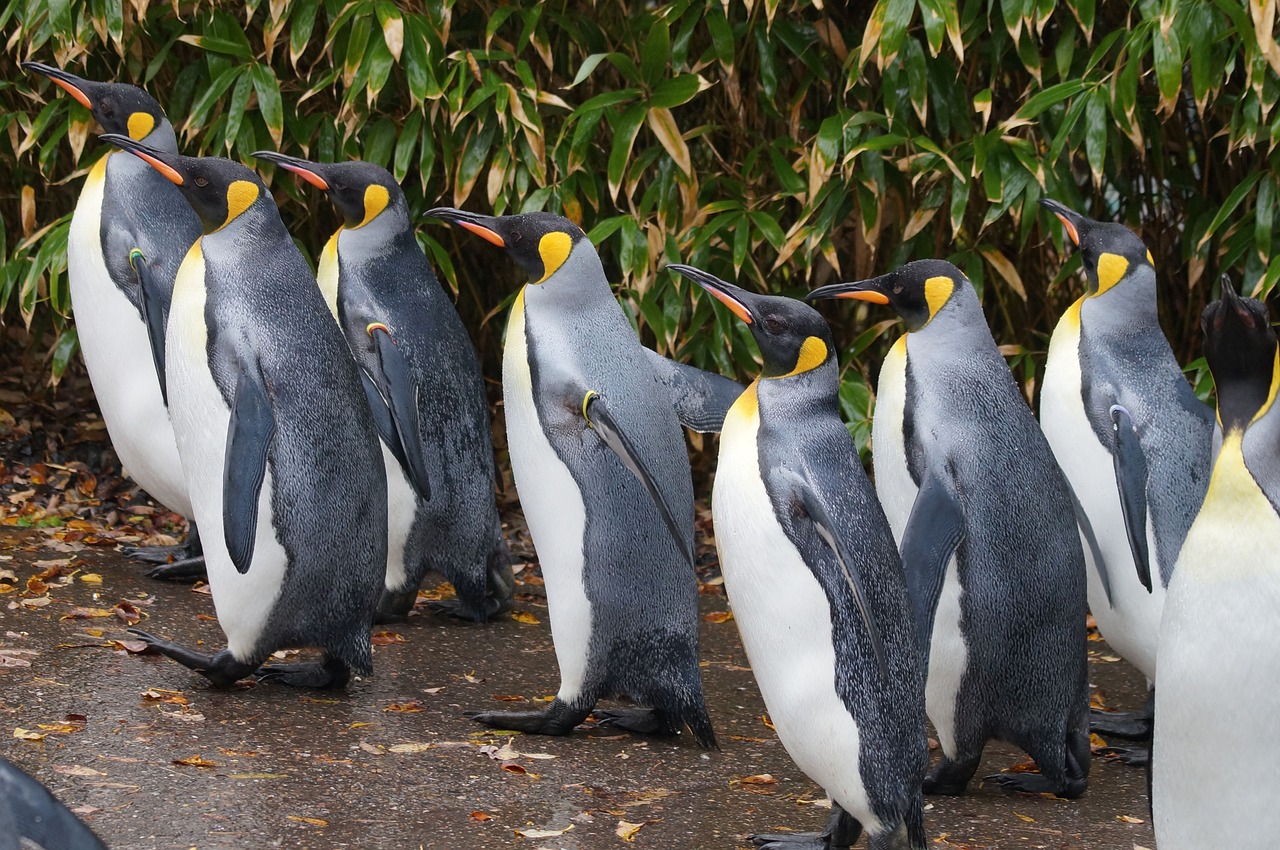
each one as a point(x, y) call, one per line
point(33, 819)
point(1133, 440)
point(816, 585)
point(425, 387)
point(600, 464)
point(988, 539)
point(130, 230)
point(276, 438)
point(1217, 712)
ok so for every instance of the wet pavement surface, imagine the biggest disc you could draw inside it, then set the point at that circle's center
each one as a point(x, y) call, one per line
point(153, 757)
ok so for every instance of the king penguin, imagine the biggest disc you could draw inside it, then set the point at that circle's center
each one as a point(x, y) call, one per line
point(816, 584)
point(426, 391)
point(276, 439)
point(32, 819)
point(603, 476)
point(129, 233)
point(1133, 440)
point(1213, 753)
point(988, 538)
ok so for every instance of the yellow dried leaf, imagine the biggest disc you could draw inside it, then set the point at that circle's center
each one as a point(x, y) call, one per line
point(195, 761)
point(91, 578)
point(411, 748)
point(718, 616)
point(758, 779)
point(525, 617)
point(543, 833)
point(627, 831)
point(1129, 819)
point(27, 735)
point(312, 821)
point(1024, 818)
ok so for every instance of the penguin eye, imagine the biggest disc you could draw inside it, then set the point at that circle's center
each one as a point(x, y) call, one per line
point(201, 182)
point(773, 325)
point(339, 186)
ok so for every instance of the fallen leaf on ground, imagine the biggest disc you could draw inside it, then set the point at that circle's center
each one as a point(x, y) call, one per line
point(196, 761)
point(515, 768)
point(312, 821)
point(27, 735)
point(627, 831)
point(410, 706)
point(77, 770)
point(87, 613)
point(407, 748)
point(1129, 819)
point(525, 617)
point(91, 578)
point(165, 696)
point(764, 718)
point(507, 698)
point(543, 833)
point(758, 779)
point(134, 646)
point(718, 616)
point(258, 776)
point(1024, 818)
point(481, 817)
point(86, 810)
point(128, 613)
point(387, 639)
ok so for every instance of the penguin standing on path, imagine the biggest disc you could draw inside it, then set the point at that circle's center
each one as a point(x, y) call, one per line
point(1133, 440)
point(816, 585)
point(988, 539)
point(276, 438)
point(1217, 708)
point(130, 230)
point(600, 463)
point(425, 388)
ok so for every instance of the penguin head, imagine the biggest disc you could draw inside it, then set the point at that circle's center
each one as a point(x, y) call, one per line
point(1109, 250)
point(539, 242)
point(219, 190)
point(793, 337)
point(917, 291)
point(119, 107)
point(1240, 347)
point(361, 191)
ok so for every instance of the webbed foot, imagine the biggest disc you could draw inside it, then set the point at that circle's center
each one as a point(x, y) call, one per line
point(1136, 756)
point(1131, 725)
point(558, 719)
point(643, 721)
point(950, 778)
point(187, 571)
point(220, 668)
point(328, 673)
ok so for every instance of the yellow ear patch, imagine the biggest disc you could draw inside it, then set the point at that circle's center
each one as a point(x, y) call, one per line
point(1271, 394)
point(554, 249)
point(813, 353)
point(240, 196)
point(1150, 259)
point(937, 290)
point(376, 199)
point(1111, 267)
point(140, 126)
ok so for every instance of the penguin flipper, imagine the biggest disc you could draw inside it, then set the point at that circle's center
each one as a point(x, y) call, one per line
point(248, 438)
point(402, 402)
point(596, 411)
point(1131, 478)
point(933, 532)
point(808, 498)
point(153, 300)
point(702, 399)
point(383, 423)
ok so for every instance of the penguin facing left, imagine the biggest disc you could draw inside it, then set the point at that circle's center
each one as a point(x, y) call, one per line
point(33, 819)
point(129, 233)
point(426, 390)
point(276, 438)
point(1217, 707)
point(600, 464)
point(816, 585)
point(988, 537)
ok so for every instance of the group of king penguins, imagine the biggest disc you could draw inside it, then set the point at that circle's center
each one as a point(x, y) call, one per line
point(328, 433)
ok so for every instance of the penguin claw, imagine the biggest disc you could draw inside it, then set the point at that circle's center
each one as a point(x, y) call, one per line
point(643, 721)
point(187, 571)
point(1131, 756)
point(1133, 725)
point(1035, 783)
point(329, 673)
point(789, 841)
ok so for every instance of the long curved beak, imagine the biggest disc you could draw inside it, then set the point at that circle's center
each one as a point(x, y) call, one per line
point(1229, 294)
point(166, 163)
point(1070, 219)
point(307, 170)
point(860, 290)
point(480, 225)
point(734, 297)
point(77, 87)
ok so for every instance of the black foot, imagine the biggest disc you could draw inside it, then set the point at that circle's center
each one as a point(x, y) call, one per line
point(459, 610)
point(1132, 756)
point(329, 673)
point(186, 571)
point(950, 778)
point(189, 549)
point(1036, 783)
point(395, 605)
point(558, 719)
point(842, 832)
point(500, 581)
point(643, 721)
point(221, 668)
point(791, 841)
point(1131, 725)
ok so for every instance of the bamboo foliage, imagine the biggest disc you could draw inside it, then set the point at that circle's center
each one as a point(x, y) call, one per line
point(778, 143)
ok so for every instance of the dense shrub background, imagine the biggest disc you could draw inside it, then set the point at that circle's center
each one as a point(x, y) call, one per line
point(778, 144)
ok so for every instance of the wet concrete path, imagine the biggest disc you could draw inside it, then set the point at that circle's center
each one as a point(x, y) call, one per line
point(155, 758)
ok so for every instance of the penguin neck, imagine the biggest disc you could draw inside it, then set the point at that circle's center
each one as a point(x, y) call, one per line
point(580, 278)
point(162, 137)
point(1131, 302)
point(813, 390)
point(958, 325)
point(1247, 398)
point(376, 238)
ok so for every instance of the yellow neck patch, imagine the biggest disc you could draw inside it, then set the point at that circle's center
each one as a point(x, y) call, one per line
point(937, 290)
point(748, 404)
point(240, 196)
point(554, 249)
point(1271, 394)
point(813, 353)
point(376, 199)
point(140, 126)
point(1111, 267)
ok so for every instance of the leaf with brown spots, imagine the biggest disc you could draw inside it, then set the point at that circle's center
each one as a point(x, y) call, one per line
point(388, 639)
point(411, 706)
point(128, 612)
point(481, 817)
point(196, 761)
point(718, 616)
point(627, 831)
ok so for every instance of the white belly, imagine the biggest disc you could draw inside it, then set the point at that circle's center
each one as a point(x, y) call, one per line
point(553, 508)
point(1218, 706)
point(894, 487)
point(948, 661)
point(201, 422)
point(402, 506)
point(785, 621)
point(117, 353)
point(1131, 623)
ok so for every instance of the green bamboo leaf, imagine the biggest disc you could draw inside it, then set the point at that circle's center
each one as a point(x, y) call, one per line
point(378, 63)
point(405, 143)
point(1084, 12)
point(302, 23)
point(792, 183)
point(1095, 132)
point(1264, 213)
point(935, 26)
point(474, 155)
point(959, 202)
point(201, 109)
point(1050, 97)
point(656, 54)
point(1238, 194)
point(676, 91)
point(722, 40)
point(269, 102)
point(588, 65)
point(897, 18)
point(769, 228)
point(1168, 62)
point(625, 128)
point(606, 99)
point(114, 15)
point(225, 46)
point(237, 108)
point(66, 346)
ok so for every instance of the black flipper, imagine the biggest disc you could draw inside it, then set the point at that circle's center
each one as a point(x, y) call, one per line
point(1091, 540)
point(597, 414)
point(152, 297)
point(811, 501)
point(382, 421)
point(402, 392)
point(701, 398)
point(933, 532)
point(1131, 478)
point(248, 440)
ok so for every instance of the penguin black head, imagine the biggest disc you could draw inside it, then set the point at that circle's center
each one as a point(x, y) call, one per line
point(917, 291)
point(793, 337)
point(361, 191)
point(539, 242)
point(119, 107)
point(219, 190)
point(1109, 250)
point(1240, 347)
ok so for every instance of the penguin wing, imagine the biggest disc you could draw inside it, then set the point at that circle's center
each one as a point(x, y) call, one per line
point(934, 530)
point(248, 439)
point(153, 297)
point(383, 422)
point(596, 411)
point(802, 493)
point(1131, 479)
point(702, 399)
point(395, 375)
